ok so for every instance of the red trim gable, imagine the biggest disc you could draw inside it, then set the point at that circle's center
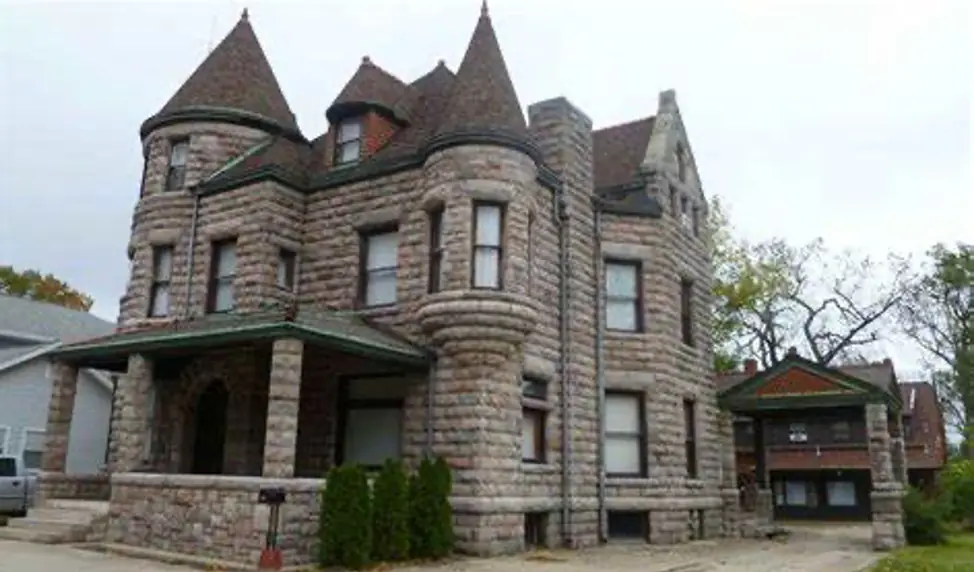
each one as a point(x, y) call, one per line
point(797, 381)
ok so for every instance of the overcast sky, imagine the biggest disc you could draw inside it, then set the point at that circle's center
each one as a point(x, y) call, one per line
point(844, 119)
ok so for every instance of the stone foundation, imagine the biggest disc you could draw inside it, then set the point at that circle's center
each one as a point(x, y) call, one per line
point(77, 487)
point(212, 516)
point(887, 506)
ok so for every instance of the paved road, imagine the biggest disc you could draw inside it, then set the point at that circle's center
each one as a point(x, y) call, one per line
point(811, 549)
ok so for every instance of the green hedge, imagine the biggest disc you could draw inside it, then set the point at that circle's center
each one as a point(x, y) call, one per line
point(346, 519)
point(923, 520)
point(958, 484)
point(390, 520)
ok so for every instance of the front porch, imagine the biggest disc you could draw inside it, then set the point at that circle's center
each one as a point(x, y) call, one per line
point(209, 413)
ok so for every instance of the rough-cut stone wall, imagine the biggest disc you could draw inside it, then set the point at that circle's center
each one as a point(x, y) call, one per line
point(79, 487)
point(212, 517)
point(282, 408)
point(64, 388)
point(564, 135)
point(886, 497)
point(130, 418)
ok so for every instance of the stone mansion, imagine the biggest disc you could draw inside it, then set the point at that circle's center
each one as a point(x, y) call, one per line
point(435, 274)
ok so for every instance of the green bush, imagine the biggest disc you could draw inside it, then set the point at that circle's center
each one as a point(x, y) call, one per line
point(923, 520)
point(346, 519)
point(390, 518)
point(958, 484)
point(430, 514)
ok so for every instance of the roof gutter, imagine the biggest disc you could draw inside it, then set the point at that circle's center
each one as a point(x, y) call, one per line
point(28, 356)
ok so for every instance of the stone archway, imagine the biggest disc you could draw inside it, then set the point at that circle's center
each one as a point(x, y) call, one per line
point(200, 376)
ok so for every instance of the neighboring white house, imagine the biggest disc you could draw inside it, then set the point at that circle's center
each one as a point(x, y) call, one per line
point(28, 331)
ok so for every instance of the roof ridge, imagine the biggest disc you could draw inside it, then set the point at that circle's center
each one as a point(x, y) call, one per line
point(624, 124)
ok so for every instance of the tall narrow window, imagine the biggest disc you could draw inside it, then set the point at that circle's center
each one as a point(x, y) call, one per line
point(696, 221)
point(161, 278)
point(625, 434)
point(223, 271)
point(623, 296)
point(674, 202)
point(690, 430)
point(286, 267)
point(487, 249)
point(178, 154)
point(145, 169)
point(348, 142)
point(686, 311)
point(530, 254)
point(534, 393)
point(435, 283)
point(685, 213)
point(380, 255)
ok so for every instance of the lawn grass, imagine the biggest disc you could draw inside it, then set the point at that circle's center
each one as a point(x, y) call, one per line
point(955, 556)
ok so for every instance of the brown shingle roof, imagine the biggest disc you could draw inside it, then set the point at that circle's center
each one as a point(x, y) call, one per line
point(372, 84)
point(236, 75)
point(483, 97)
point(617, 152)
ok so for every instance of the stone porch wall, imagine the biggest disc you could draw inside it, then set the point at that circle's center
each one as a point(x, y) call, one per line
point(212, 517)
point(78, 487)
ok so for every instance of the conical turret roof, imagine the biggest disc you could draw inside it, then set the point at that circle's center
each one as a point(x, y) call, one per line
point(483, 96)
point(235, 75)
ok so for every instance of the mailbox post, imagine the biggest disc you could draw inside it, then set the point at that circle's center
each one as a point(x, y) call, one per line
point(270, 556)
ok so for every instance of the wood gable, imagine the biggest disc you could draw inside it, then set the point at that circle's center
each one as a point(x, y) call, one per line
point(797, 383)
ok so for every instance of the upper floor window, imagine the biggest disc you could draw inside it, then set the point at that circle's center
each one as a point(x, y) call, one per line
point(435, 283)
point(625, 434)
point(686, 311)
point(176, 174)
point(533, 420)
point(348, 142)
point(487, 250)
point(145, 169)
point(223, 271)
point(696, 221)
point(841, 431)
point(530, 252)
point(681, 163)
point(690, 431)
point(286, 266)
point(380, 255)
point(623, 296)
point(685, 218)
point(161, 279)
point(798, 433)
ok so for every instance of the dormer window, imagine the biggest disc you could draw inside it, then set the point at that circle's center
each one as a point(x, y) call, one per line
point(348, 142)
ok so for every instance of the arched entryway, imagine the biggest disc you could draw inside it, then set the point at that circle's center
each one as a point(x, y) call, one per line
point(210, 434)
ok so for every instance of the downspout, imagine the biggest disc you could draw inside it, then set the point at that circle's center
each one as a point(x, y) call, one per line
point(191, 255)
point(561, 221)
point(430, 394)
point(599, 368)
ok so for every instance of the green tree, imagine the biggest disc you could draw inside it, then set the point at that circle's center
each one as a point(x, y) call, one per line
point(34, 285)
point(390, 529)
point(770, 296)
point(938, 314)
point(958, 482)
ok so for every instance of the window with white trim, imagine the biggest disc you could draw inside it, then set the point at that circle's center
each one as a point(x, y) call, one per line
point(380, 264)
point(487, 247)
point(798, 433)
point(623, 301)
point(32, 448)
point(348, 142)
point(625, 434)
point(178, 157)
point(161, 280)
point(223, 273)
point(685, 218)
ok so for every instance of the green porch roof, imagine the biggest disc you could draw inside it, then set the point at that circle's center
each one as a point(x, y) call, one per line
point(342, 331)
point(740, 394)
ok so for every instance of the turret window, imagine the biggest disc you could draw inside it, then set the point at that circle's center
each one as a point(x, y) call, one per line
point(286, 266)
point(161, 277)
point(436, 250)
point(487, 248)
point(685, 219)
point(380, 253)
point(348, 143)
point(223, 271)
point(176, 174)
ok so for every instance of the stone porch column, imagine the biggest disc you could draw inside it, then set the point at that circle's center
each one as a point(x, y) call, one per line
point(284, 391)
point(131, 417)
point(764, 498)
point(887, 491)
point(60, 411)
point(729, 494)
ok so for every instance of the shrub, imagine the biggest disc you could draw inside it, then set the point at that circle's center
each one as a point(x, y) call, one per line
point(346, 519)
point(390, 519)
point(430, 514)
point(958, 483)
point(923, 520)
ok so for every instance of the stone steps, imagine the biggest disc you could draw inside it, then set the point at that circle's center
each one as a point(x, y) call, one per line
point(57, 523)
